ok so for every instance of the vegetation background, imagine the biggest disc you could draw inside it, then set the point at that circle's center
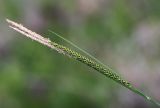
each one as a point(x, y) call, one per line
point(125, 34)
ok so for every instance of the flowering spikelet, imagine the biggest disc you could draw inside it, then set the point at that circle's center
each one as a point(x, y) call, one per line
point(75, 55)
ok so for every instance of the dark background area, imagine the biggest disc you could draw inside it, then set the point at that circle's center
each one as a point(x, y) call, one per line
point(124, 34)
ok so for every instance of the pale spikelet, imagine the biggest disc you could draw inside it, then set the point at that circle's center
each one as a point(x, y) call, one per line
point(30, 34)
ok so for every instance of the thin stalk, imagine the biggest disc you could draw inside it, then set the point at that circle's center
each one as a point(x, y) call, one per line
point(77, 56)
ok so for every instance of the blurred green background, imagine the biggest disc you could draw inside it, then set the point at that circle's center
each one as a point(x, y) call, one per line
point(124, 34)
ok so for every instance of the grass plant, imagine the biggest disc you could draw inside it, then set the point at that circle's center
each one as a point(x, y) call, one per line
point(90, 60)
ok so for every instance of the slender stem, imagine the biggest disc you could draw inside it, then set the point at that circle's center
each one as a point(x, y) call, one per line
point(75, 55)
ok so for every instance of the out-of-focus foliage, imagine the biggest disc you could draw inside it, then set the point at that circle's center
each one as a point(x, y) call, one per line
point(121, 33)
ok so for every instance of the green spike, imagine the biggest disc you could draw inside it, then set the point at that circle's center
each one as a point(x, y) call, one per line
point(93, 62)
point(100, 67)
